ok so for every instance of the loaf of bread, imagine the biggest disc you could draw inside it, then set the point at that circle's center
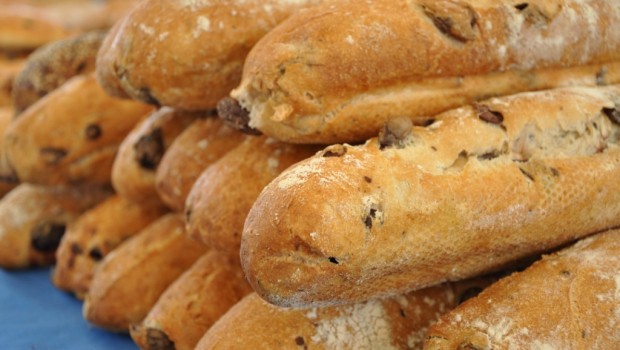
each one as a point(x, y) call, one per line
point(132, 277)
point(337, 72)
point(23, 28)
point(94, 235)
point(71, 135)
point(483, 185)
point(192, 304)
point(188, 54)
point(568, 300)
point(33, 220)
point(197, 147)
point(396, 323)
point(8, 178)
point(52, 65)
point(222, 196)
point(133, 172)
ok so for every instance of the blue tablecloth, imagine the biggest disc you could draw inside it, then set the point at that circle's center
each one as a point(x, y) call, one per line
point(34, 315)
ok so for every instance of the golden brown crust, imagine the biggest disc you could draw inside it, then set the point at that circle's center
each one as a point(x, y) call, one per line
point(337, 72)
point(195, 48)
point(139, 155)
point(482, 186)
point(95, 234)
point(222, 196)
point(52, 65)
point(396, 323)
point(568, 300)
point(105, 69)
point(33, 220)
point(24, 28)
point(200, 145)
point(192, 304)
point(71, 135)
point(131, 278)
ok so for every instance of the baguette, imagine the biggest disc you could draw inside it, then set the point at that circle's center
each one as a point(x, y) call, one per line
point(192, 304)
point(53, 64)
point(33, 220)
point(482, 186)
point(133, 172)
point(131, 278)
point(195, 48)
point(396, 323)
point(94, 235)
point(71, 136)
point(337, 72)
point(221, 198)
point(195, 149)
point(568, 300)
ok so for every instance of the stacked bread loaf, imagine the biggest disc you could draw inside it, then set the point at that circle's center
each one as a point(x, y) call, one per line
point(376, 171)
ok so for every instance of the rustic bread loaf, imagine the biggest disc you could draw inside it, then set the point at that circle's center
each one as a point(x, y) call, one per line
point(396, 323)
point(131, 278)
point(192, 304)
point(95, 234)
point(52, 65)
point(133, 172)
point(197, 147)
point(568, 300)
point(71, 135)
point(33, 220)
point(189, 54)
point(337, 72)
point(105, 70)
point(221, 198)
point(483, 185)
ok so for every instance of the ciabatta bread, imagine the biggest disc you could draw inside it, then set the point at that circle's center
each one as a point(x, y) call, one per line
point(337, 72)
point(482, 186)
point(568, 300)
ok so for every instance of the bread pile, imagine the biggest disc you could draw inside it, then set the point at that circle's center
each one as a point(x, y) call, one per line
point(323, 174)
